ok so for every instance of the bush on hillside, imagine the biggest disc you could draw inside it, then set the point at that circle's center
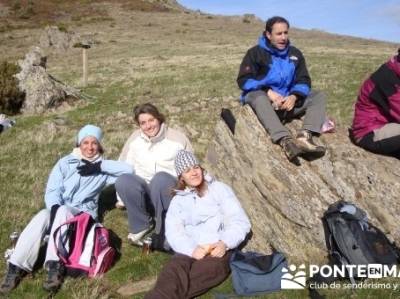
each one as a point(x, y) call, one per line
point(11, 99)
point(23, 9)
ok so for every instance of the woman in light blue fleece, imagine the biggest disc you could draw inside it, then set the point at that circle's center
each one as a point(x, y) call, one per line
point(204, 222)
point(74, 186)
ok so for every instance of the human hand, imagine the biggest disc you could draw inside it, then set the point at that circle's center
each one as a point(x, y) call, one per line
point(89, 168)
point(199, 252)
point(289, 102)
point(276, 99)
point(218, 249)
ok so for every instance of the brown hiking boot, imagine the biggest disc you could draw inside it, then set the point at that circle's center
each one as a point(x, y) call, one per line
point(12, 278)
point(305, 142)
point(55, 276)
point(290, 148)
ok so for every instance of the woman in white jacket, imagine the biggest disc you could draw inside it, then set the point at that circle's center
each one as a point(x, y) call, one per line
point(151, 150)
point(204, 222)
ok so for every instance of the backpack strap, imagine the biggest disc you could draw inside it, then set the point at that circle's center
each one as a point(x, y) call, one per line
point(61, 239)
point(86, 256)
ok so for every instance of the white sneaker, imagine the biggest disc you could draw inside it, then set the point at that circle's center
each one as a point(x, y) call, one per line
point(137, 239)
point(119, 205)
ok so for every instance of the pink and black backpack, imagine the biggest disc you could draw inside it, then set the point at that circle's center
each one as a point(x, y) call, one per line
point(84, 246)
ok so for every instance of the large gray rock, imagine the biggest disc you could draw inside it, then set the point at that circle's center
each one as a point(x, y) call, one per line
point(42, 91)
point(285, 202)
point(54, 38)
point(62, 40)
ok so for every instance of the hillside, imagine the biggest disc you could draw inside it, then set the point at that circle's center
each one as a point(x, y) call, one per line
point(184, 62)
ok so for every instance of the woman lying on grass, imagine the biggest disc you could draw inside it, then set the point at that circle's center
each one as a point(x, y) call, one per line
point(73, 186)
point(204, 222)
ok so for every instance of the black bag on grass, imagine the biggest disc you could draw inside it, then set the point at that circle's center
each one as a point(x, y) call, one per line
point(352, 240)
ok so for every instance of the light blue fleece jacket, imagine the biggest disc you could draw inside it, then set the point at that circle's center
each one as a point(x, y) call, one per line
point(66, 186)
point(192, 220)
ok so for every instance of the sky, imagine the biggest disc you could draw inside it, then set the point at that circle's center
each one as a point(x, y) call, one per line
point(376, 19)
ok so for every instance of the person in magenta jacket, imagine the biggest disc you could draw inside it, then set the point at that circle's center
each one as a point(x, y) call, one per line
point(376, 122)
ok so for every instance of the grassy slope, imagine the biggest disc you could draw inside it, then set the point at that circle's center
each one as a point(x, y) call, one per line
point(184, 63)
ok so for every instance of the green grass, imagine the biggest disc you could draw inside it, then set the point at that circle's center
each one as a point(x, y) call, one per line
point(190, 75)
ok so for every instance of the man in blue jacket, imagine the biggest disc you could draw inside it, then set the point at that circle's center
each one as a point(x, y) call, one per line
point(275, 83)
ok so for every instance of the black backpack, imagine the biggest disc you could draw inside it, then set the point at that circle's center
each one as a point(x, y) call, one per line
point(351, 239)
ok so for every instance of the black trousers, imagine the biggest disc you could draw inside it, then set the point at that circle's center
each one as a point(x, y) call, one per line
point(388, 146)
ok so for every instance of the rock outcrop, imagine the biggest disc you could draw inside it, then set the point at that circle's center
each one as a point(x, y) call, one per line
point(42, 91)
point(286, 201)
point(61, 40)
point(53, 37)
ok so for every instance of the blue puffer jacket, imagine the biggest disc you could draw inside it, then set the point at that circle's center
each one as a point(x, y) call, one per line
point(266, 67)
point(66, 186)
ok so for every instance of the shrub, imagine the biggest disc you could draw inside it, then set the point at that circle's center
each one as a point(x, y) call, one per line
point(11, 99)
point(16, 5)
point(248, 18)
point(26, 11)
point(62, 27)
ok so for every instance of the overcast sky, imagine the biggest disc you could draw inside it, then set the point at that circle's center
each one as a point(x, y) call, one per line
point(377, 19)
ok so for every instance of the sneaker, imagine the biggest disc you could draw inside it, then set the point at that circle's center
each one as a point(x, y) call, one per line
point(160, 243)
point(55, 276)
point(137, 239)
point(305, 142)
point(290, 148)
point(12, 278)
point(119, 205)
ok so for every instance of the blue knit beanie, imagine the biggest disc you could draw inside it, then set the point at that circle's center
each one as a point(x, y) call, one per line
point(89, 130)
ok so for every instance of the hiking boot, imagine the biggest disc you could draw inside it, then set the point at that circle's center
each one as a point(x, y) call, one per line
point(137, 239)
point(55, 276)
point(160, 243)
point(290, 148)
point(305, 142)
point(12, 278)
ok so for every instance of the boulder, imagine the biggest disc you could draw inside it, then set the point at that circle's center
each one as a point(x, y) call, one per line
point(285, 201)
point(54, 38)
point(42, 91)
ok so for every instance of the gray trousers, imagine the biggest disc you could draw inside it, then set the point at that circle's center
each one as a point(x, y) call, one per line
point(143, 201)
point(313, 106)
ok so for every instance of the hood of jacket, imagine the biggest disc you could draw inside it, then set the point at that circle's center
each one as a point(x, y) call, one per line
point(77, 155)
point(265, 44)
